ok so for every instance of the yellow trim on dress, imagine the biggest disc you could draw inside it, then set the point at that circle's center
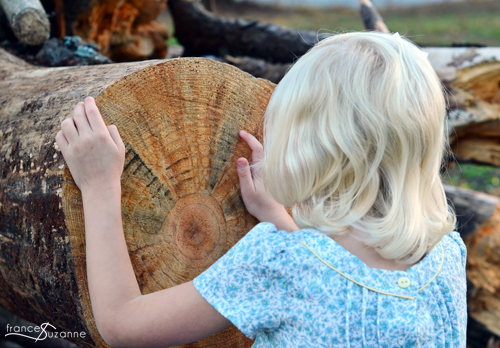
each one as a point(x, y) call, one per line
point(370, 288)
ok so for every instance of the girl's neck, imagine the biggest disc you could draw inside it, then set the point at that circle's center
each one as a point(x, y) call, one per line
point(367, 254)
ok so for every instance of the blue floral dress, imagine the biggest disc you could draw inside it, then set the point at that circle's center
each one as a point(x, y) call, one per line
point(302, 289)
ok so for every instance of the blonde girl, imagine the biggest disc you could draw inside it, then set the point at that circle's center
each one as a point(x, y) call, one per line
point(353, 141)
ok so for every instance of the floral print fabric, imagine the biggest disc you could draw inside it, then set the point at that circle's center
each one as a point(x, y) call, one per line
point(270, 286)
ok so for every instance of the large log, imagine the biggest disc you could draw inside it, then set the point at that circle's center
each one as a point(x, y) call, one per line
point(181, 202)
point(478, 217)
point(37, 275)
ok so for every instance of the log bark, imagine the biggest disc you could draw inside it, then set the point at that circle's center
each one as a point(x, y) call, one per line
point(37, 276)
point(28, 20)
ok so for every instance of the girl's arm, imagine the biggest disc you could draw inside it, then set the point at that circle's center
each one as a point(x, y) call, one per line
point(257, 199)
point(95, 155)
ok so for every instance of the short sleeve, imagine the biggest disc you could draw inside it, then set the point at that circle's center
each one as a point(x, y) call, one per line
point(455, 236)
point(248, 285)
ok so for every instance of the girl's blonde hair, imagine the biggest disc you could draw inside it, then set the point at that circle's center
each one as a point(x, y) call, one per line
point(354, 137)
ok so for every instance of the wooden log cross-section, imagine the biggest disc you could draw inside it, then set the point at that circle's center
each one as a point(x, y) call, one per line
point(180, 202)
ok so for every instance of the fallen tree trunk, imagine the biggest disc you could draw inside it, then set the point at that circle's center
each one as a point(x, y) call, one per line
point(37, 276)
point(28, 20)
point(174, 229)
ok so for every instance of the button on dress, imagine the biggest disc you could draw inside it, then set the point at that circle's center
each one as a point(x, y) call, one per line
point(302, 289)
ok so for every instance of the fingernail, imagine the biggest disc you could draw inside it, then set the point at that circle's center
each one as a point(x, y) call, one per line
point(88, 98)
point(241, 163)
point(243, 132)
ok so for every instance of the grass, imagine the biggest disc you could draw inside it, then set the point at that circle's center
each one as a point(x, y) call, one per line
point(443, 24)
point(475, 177)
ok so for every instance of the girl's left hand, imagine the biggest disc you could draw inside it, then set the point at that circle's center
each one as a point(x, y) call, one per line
point(94, 152)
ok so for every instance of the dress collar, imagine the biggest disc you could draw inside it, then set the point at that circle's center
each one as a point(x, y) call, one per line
point(403, 284)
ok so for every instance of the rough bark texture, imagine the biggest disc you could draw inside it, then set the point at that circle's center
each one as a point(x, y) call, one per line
point(28, 20)
point(37, 271)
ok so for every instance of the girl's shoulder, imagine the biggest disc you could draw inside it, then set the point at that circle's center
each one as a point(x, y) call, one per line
point(455, 244)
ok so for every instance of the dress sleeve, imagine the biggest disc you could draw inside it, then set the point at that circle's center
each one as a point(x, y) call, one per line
point(461, 245)
point(248, 285)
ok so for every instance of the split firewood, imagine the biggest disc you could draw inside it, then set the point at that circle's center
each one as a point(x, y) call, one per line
point(28, 20)
point(471, 77)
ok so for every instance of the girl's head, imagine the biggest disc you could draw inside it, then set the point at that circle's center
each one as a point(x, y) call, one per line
point(354, 137)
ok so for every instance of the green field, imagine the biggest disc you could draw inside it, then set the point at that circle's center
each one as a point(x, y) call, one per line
point(476, 22)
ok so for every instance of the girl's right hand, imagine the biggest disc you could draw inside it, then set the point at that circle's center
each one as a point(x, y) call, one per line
point(257, 199)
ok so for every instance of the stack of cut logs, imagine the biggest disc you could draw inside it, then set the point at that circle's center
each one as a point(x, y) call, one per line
point(42, 273)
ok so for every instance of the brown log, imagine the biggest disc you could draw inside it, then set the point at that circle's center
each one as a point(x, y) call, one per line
point(182, 207)
point(28, 20)
point(37, 275)
point(124, 30)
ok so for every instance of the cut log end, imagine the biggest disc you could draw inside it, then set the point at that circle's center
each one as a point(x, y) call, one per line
point(31, 27)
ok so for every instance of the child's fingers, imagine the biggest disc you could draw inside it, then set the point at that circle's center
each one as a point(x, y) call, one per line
point(61, 141)
point(254, 144)
point(81, 119)
point(113, 131)
point(93, 115)
point(246, 181)
point(69, 129)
